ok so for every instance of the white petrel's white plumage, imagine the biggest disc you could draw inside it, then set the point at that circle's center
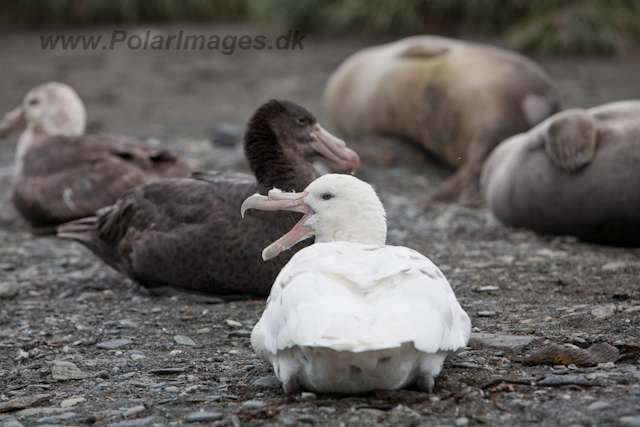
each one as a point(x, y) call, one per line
point(350, 314)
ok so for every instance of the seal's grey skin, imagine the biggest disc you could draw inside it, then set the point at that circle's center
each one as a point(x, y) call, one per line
point(576, 173)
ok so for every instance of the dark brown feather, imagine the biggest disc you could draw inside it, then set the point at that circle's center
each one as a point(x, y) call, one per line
point(188, 233)
point(65, 178)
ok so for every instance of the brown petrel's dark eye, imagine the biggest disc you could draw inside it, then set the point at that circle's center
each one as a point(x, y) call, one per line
point(34, 101)
point(327, 196)
point(302, 120)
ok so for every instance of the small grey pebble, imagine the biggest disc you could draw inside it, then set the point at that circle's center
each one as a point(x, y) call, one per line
point(253, 404)
point(309, 419)
point(184, 340)
point(598, 406)
point(128, 323)
point(227, 134)
point(308, 396)
point(133, 410)
point(64, 371)
point(57, 418)
point(197, 417)
point(630, 421)
point(113, 344)
point(9, 289)
point(101, 374)
point(17, 393)
point(139, 422)
point(127, 375)
point(487, 313)
point(272, 382)
point(564, 378)
point(166, 371)
point(10, 422)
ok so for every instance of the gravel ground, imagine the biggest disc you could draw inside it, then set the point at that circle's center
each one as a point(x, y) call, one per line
point(79, 344)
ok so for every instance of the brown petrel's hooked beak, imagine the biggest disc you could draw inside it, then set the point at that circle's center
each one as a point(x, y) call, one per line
point(334, 149)
point(277, 201)
point(12, 122)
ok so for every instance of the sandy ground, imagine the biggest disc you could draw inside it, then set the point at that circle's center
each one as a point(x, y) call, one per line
point(511, 282)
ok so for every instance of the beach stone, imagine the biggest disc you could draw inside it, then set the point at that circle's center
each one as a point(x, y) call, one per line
point(67, 403)
point(239, 334)
point(487, 288)
point(613, 266)
point(64, 371)
point(101, 374)
point(233, 323)
point(22, 402)
point(128, 323)
point(197, 417)
point(139, 422)
point(606, 365)
point(553, 380)
point(133, 410)
point(127, 375)
point(507, 343)
point(113, 344)
point(41, 410)
point(9, 289)
point(630, 421)
point(167, 371)
point(253, 404)
point(10, 422)
point(184, 340)
point(598, 406)
point(605, 311)
point(271, 382)
point(55, 419)
point(227, 134)
point(487, 313)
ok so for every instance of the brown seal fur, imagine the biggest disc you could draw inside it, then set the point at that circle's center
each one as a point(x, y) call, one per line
point(577, 173)
point(188, 234)
point(458, 99)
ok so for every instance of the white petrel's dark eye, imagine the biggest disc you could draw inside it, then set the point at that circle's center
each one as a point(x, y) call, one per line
point(327, 196)
point(34, 101)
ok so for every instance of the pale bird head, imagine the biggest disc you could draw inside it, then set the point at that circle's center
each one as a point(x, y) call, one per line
point(49, 109)
point(336, 207)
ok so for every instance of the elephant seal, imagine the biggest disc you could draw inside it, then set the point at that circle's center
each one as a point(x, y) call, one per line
point(457, 99)
point(576, 173)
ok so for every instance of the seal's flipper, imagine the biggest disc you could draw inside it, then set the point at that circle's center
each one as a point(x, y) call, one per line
point(570, 141)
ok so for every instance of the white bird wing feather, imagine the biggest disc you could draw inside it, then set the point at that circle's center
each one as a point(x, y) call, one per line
point(348, 296)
